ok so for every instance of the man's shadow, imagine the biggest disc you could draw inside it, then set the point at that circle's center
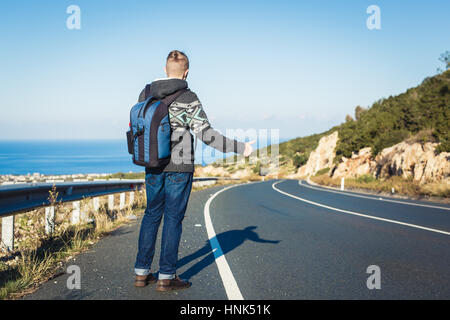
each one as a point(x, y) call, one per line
point(221, 245)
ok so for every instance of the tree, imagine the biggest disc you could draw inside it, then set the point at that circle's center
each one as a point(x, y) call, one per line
point(445, 59)
point(299, 160)
point(358, 112)
point(348, 118)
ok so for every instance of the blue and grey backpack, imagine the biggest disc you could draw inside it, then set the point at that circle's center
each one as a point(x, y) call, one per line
point(149, 136)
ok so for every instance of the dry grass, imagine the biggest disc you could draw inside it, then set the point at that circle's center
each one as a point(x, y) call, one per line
point(401, 186)
point(38, 257)
point(30, 268)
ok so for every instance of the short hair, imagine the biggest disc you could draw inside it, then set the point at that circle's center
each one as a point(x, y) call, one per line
point(177, 63)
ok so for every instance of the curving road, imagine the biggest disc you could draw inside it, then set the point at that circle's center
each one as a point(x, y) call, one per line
point(284, 239)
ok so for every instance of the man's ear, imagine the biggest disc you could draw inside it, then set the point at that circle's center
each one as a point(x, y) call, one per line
point(186, 74)
point(165, 71)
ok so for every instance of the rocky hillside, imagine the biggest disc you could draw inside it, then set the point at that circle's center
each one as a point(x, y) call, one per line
point(408, 159)
point(422, 112)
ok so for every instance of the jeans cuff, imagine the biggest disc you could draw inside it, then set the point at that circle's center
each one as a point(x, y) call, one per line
point(141, 272)
point(162, 276)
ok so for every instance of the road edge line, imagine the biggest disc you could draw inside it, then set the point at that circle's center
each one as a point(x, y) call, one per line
point(228, 280)
point(358, 214)
point(373, 197)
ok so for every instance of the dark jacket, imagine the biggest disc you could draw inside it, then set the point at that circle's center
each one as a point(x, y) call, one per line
point(186, 114)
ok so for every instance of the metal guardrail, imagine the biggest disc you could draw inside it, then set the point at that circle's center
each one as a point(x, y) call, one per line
point(19, 198)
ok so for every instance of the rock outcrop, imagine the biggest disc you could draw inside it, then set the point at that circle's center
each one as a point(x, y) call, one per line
point(322, 157)
point(359, 164)
point(409, 160)
point(415, 160)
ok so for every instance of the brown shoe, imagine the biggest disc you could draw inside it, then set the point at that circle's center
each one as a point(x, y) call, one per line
point(172, 284)
point(142, 281)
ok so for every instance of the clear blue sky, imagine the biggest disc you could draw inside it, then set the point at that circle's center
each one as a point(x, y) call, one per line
point(299, 66)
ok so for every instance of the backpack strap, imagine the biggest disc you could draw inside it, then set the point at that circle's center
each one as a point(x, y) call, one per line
point(146, 92)
point(148, 101)
point(174, 96)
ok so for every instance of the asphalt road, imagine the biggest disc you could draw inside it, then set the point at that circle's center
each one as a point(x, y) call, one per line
point(281, 239)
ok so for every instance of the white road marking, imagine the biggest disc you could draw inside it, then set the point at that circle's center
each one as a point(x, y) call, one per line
point(368, 197)
point(231, 287)
point(359, 214)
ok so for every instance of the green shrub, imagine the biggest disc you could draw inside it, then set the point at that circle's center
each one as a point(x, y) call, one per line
point(257, 167)
point(299, 160)
point(365, 178)
point(322, 171)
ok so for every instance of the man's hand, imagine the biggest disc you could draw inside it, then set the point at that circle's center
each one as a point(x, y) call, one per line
point(248, 148)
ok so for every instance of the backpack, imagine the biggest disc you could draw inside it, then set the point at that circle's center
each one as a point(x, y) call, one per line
point(148, 139)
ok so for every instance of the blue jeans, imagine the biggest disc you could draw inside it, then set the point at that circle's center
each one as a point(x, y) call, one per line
point(168, 194)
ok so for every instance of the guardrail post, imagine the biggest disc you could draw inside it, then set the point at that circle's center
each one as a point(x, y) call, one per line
point(122, 201)
point(342, 183)
point(96, 203)
point(131, 198)
point(111, 202)
point(8, 232)
point(76, 213)
point(49, 220)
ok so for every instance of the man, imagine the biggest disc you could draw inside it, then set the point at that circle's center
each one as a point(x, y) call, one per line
point(168, 188)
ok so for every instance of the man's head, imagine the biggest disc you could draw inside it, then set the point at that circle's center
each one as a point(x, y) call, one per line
point(177, 65)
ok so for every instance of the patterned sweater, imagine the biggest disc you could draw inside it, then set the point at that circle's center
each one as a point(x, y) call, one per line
point(187, 115)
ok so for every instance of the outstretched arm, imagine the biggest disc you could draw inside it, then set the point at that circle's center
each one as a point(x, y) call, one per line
point(198, 122)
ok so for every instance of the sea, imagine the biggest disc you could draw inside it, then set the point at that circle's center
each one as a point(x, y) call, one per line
point(58, 157)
